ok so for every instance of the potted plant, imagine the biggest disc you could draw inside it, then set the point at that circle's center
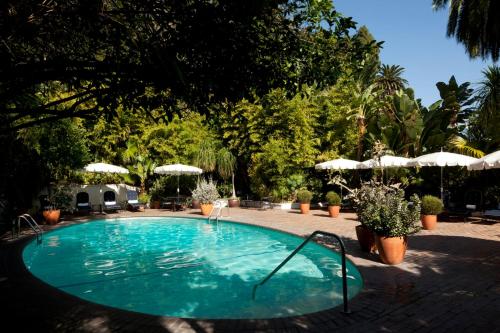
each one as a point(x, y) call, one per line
point(366, 201)
point(333, 200)
point(59, 199)
point(206, 193)
point(392, 219)
point(431, 207)
point(304, 197)
point(144, 199)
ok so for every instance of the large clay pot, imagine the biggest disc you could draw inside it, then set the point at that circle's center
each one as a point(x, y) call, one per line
point(304, 208)
point(233, 203)
point(366, 239)
point(155, 204)
point(195, 204)
point(51, 216)
point(334, 211)
point(429, 222)
point(206, 209)
point(391, 250)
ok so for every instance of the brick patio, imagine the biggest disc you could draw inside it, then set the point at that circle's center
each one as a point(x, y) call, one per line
point(449, 282)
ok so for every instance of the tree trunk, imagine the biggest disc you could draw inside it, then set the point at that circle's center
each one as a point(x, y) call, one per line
point(232, 179)
point(361, 136)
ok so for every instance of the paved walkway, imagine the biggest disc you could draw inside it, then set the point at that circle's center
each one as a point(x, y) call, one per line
point(449, 282)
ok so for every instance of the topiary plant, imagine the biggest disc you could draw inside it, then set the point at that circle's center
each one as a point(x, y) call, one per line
point(304, 196)
point(333, 199)
point(431, 205)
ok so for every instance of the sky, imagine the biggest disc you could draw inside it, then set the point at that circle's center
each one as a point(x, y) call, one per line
point(414, 37)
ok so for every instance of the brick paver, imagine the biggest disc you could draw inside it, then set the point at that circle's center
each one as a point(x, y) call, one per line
point(449, 281)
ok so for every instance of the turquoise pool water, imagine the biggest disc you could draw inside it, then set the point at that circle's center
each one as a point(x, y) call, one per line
point(189, 268)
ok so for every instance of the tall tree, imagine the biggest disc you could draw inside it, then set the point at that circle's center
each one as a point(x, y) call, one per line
point(487, 119)
point(389, 79)
point(475, 24)
point(150, 54)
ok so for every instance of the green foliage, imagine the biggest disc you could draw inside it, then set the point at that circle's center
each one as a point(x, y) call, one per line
point(475, 25)
point(399, 128)
point(386, 212)
point(205, 191)
point(201, 52)
point(333, 198)
point(144, 198)
point(304, 196)
point(431, 205)
point(60, 198)
point(61, 147)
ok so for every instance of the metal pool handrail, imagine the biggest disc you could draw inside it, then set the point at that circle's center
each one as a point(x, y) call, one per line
point(344, 271)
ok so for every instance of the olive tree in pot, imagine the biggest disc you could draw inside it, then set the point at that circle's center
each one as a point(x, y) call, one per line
point(392, 219)
point(333, 200)
point(59, 199)
point(206, 193)
point(431, 207)
point(304, 197)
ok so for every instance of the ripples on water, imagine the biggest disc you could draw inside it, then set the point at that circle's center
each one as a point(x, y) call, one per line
point(189, 268)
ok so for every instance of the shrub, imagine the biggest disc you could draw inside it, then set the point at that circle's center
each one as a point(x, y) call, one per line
point(431, 205)
point(304, 196)
point(385, 211)
point(144, 198)
point(206, 191)
point(333, 199)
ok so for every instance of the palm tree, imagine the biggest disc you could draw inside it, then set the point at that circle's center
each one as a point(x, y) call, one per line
point(474, 23)
point(226, 163)
point(488, 105)
point(142, 167)
point(363, 107)
point(206, 158)
point(488, 93)
point(389, 79)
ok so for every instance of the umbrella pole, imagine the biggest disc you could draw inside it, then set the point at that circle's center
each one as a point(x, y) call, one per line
point(442, 190)
point(177, 190)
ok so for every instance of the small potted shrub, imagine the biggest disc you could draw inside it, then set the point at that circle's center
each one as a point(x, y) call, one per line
point(392, 219)
point(333, 200)
point(304, 197)
point(206, 192)
point(431, 207)
point(144, 199)
point(59, 199)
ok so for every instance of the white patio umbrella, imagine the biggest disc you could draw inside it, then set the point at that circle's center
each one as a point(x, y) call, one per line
point(103, 168)
point(442, 159)
point(340, 164)
point(490, 161)
point(177, 170)
point(387, 161)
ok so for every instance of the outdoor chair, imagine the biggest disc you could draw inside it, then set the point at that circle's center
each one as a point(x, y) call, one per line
point(133, 201)
point(83, 202)
point(473, 201)
point(110, 201)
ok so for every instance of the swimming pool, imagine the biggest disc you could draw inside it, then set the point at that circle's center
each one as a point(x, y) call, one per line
point(189, 268)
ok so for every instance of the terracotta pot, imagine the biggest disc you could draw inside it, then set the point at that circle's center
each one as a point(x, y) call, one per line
point(429, 222)
point(233, 203)
point(391, 250)
point(304, 208)
point(366, 239)
point(51, 216)
point(334, 211)
point(195, 204)
point(206, 209)
point(155, 204)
